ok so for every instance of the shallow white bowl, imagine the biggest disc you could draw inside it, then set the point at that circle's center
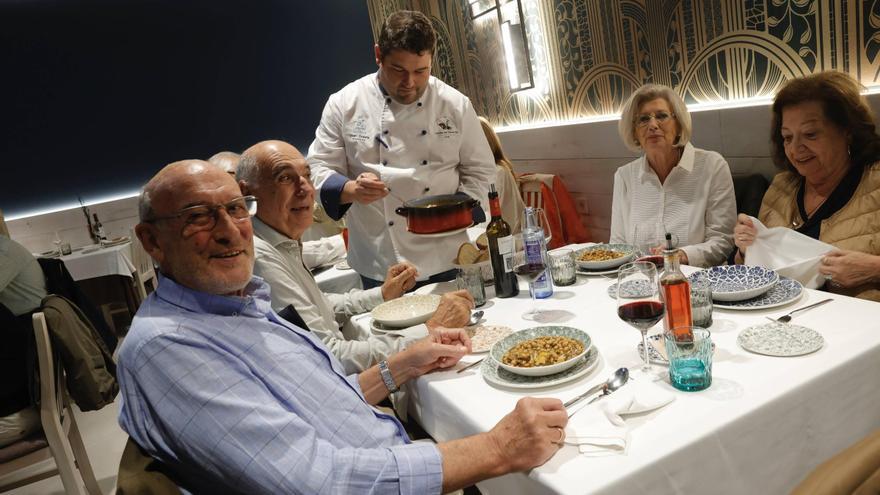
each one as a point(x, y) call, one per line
point(406, 311)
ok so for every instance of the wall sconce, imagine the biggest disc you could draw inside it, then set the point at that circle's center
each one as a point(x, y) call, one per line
point(513, 39)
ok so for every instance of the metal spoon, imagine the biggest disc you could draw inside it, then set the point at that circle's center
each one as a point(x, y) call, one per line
point(787, 317)
point(614, 382)
point(475, 317)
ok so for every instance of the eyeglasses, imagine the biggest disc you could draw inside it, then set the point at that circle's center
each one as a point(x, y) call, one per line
point(204, 217)
point(661, 117)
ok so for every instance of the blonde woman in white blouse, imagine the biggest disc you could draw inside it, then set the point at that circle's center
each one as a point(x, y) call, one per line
point(512, 204)
point(673, 187)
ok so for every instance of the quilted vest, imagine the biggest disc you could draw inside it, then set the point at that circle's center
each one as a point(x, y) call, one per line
point(855, 227)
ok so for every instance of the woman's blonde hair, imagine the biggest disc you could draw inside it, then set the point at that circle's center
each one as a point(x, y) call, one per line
point(627, 125)
point(495, 146)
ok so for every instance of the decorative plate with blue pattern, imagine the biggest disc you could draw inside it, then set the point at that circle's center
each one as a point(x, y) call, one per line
point(501, 347)
point(739, 282)
point(780, 339)
point(785, 291)
point(626, 251)
point(632, 289)
point(495, 375)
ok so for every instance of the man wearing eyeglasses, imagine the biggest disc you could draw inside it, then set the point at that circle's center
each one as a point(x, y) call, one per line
point(278, 175)
point(234, 399)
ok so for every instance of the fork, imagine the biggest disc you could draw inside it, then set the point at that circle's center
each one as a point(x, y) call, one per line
point(787, 317)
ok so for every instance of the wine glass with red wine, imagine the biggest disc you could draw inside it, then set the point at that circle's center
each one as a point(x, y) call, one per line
point(529, 272)
point(639, 302)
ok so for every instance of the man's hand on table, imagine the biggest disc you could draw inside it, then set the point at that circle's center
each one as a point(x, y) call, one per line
point(365, 189)
point(441, 349)
point(454, 311)
point(399, 279)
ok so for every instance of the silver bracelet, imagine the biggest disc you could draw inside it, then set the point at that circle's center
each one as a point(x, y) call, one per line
point(386, 377)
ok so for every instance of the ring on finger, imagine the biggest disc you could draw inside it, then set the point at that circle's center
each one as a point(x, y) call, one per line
point(561, 439)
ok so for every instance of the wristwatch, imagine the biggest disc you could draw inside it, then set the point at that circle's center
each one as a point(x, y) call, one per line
point(386, 377)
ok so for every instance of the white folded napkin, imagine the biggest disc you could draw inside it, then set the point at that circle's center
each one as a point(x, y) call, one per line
point(599, 429)
point(790, 253)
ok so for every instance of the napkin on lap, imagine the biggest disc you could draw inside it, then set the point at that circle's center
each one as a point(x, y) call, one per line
point(790, 253)
point(600, 429)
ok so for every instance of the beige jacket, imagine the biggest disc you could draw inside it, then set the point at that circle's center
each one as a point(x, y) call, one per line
point(855, 227)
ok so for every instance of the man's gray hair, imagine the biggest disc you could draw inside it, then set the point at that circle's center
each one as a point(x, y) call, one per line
point(145, 206)
point(626, 127)
point(248, 169)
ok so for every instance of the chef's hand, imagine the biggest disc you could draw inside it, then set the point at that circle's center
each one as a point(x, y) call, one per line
point(844, 268)
point(365, 189)
point(743, 235)
point(454, 310)
point(399, 279)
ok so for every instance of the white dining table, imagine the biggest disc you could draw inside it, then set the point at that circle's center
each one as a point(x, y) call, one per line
point(761, 427)
point(95, 261)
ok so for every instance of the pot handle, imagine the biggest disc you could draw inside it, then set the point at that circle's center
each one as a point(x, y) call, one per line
point(402, 211)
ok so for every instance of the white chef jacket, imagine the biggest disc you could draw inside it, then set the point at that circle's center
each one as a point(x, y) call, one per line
point(432, 146)
point(696, 202)
point(279, 262)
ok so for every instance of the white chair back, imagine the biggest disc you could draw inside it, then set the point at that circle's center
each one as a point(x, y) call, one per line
point(59, 427)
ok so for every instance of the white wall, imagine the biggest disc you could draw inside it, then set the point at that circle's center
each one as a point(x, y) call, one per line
point(586, 155)
point(37, 233)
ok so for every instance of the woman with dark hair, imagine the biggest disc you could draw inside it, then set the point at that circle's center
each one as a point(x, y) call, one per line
point(824, 138)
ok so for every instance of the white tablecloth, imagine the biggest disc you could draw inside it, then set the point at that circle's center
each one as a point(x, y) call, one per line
point(760, 428)
point(113, 260)
point(339, 281)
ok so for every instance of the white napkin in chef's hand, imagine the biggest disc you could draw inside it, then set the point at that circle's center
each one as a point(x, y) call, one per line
point(790, 253)
point(599, 429)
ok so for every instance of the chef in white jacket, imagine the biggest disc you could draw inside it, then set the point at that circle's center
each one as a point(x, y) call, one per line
point(402, 130)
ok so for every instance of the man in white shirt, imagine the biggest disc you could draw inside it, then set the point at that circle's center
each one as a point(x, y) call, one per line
point(278, 175)
point(404, 130)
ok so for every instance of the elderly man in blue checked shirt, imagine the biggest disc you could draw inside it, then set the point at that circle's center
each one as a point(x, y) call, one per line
point(236, 399)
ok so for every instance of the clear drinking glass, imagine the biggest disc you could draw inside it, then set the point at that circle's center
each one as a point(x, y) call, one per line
point(563, 267)
point(470, 279)
point(641, 308)
point(528, 272)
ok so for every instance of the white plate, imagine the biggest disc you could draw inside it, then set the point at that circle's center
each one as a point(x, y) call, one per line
point(406, 311)
point(444, 234)
point(502, 346)
point(656, 349)
point(494, 375)
point(629, 252)
point(115, 242)
point(377, 327)
point(780, 339)
point(483, 337)
point(786, 291)
point(438, 288)
point(597, 273)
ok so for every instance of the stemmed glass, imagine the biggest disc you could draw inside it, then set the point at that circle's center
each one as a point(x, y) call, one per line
point(639, 302)
point(650, 240)
point(543, 222)
point(529, 272)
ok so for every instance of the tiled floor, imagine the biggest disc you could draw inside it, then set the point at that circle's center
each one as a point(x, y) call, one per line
point(104, 442)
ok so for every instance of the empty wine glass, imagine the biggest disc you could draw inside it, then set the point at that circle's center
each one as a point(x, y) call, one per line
point(529, 272)
point(543, 222)
point(639, 302)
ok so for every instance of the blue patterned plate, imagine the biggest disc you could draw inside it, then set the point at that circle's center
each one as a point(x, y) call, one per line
point(495, 375)
point(738, 282)
point(785, 291)
point(632, 289)
point(502, 346)
point(780, 339)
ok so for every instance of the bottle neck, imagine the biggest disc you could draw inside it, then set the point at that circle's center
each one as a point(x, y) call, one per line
point(494, 207)
point(670, 260)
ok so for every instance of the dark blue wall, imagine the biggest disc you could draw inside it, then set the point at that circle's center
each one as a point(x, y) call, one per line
point(98, 95)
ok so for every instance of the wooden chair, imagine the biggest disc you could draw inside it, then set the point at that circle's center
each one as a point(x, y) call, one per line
point(144, 270)
point(60, 438)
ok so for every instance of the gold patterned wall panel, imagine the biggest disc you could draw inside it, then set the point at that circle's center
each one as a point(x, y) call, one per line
point(589, 55)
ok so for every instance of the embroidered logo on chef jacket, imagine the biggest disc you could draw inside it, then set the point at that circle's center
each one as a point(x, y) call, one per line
point(445, 128)
point(356, 130)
